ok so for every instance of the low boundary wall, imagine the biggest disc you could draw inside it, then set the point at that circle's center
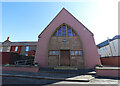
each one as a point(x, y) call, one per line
point(21, 68)
point(108, 71)
point(112, 61)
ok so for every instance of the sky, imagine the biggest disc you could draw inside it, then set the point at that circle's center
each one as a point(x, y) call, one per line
point(24, 21)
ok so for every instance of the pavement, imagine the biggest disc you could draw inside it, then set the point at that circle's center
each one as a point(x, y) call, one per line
point(49, 75)
point(52, 77)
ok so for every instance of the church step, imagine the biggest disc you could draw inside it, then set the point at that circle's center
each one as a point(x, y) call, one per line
point(63, 71)
point(65, 68)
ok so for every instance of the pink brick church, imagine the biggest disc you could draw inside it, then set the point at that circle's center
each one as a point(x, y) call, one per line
point(66, 42)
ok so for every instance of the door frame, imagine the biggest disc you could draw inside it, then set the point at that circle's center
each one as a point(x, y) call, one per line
point(60, 56)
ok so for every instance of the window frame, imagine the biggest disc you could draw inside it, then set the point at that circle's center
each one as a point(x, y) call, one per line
point(1, 49)
point(78, 51)
point(56, 53)
point(28, 48)
point(15, 48)
point(66, 31)
point(8, 48)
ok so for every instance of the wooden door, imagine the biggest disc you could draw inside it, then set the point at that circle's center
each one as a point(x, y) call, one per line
point(65, 57)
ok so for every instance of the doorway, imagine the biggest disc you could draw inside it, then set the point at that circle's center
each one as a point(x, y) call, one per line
point(64, 57)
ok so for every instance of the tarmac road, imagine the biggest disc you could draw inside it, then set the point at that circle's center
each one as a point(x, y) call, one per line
point(16, 81)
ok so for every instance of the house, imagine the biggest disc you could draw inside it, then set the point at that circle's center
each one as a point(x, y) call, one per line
point(66, 42)
point(110, 47)
point(22, 50)
point(109, 51)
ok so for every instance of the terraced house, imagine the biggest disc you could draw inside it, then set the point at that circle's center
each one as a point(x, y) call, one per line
point(23, 48)
point(13, 51)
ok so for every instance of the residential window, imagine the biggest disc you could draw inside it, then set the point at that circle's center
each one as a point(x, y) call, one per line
point(8, 49)
point(53, 52)
point(76, 52)
point(16, 48)
point(27, 48)
point(1, 49)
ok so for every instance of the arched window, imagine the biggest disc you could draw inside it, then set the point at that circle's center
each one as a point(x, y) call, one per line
point(64, 30)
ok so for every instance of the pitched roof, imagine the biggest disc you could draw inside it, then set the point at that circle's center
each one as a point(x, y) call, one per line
point(58, 15)
point(106, 42)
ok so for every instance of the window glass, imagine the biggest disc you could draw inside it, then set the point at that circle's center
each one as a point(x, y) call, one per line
point(80, 52)
point(1, 49)
point(64, 30)
point(57, 52)
point(8, 49)
point(53, 52)
point(76, 52)
point(50, 52)
point(55, 34)
point(59, 31)
point(27, 48)
point(73, 33)
point(16, 48)
point(68, 31)
point(72, 53)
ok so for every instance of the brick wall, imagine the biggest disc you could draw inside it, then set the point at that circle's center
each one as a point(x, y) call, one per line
point(113, 61)
point(72, 43)
point(5, 56)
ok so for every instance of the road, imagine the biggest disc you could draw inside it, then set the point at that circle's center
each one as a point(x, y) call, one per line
point(15, 81)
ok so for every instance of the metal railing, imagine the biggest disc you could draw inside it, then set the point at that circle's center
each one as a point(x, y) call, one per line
point(23, 62)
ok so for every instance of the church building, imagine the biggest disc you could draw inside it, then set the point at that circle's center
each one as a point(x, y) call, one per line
point(66, 42)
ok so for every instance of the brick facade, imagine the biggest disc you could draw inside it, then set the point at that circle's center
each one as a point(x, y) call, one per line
point(72, 43)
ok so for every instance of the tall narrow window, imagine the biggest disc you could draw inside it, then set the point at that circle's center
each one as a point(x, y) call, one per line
point(64, 30)
point(27, 48)
point(16, 48)
point(73, 33)
point(59, 31)
point(68, 31)
point(55, 34)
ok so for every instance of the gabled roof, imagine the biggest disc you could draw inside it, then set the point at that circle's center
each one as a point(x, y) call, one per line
point(107, 42)
point(58, 15)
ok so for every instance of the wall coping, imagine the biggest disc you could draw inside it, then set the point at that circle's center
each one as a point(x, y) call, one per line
point(107, 68)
